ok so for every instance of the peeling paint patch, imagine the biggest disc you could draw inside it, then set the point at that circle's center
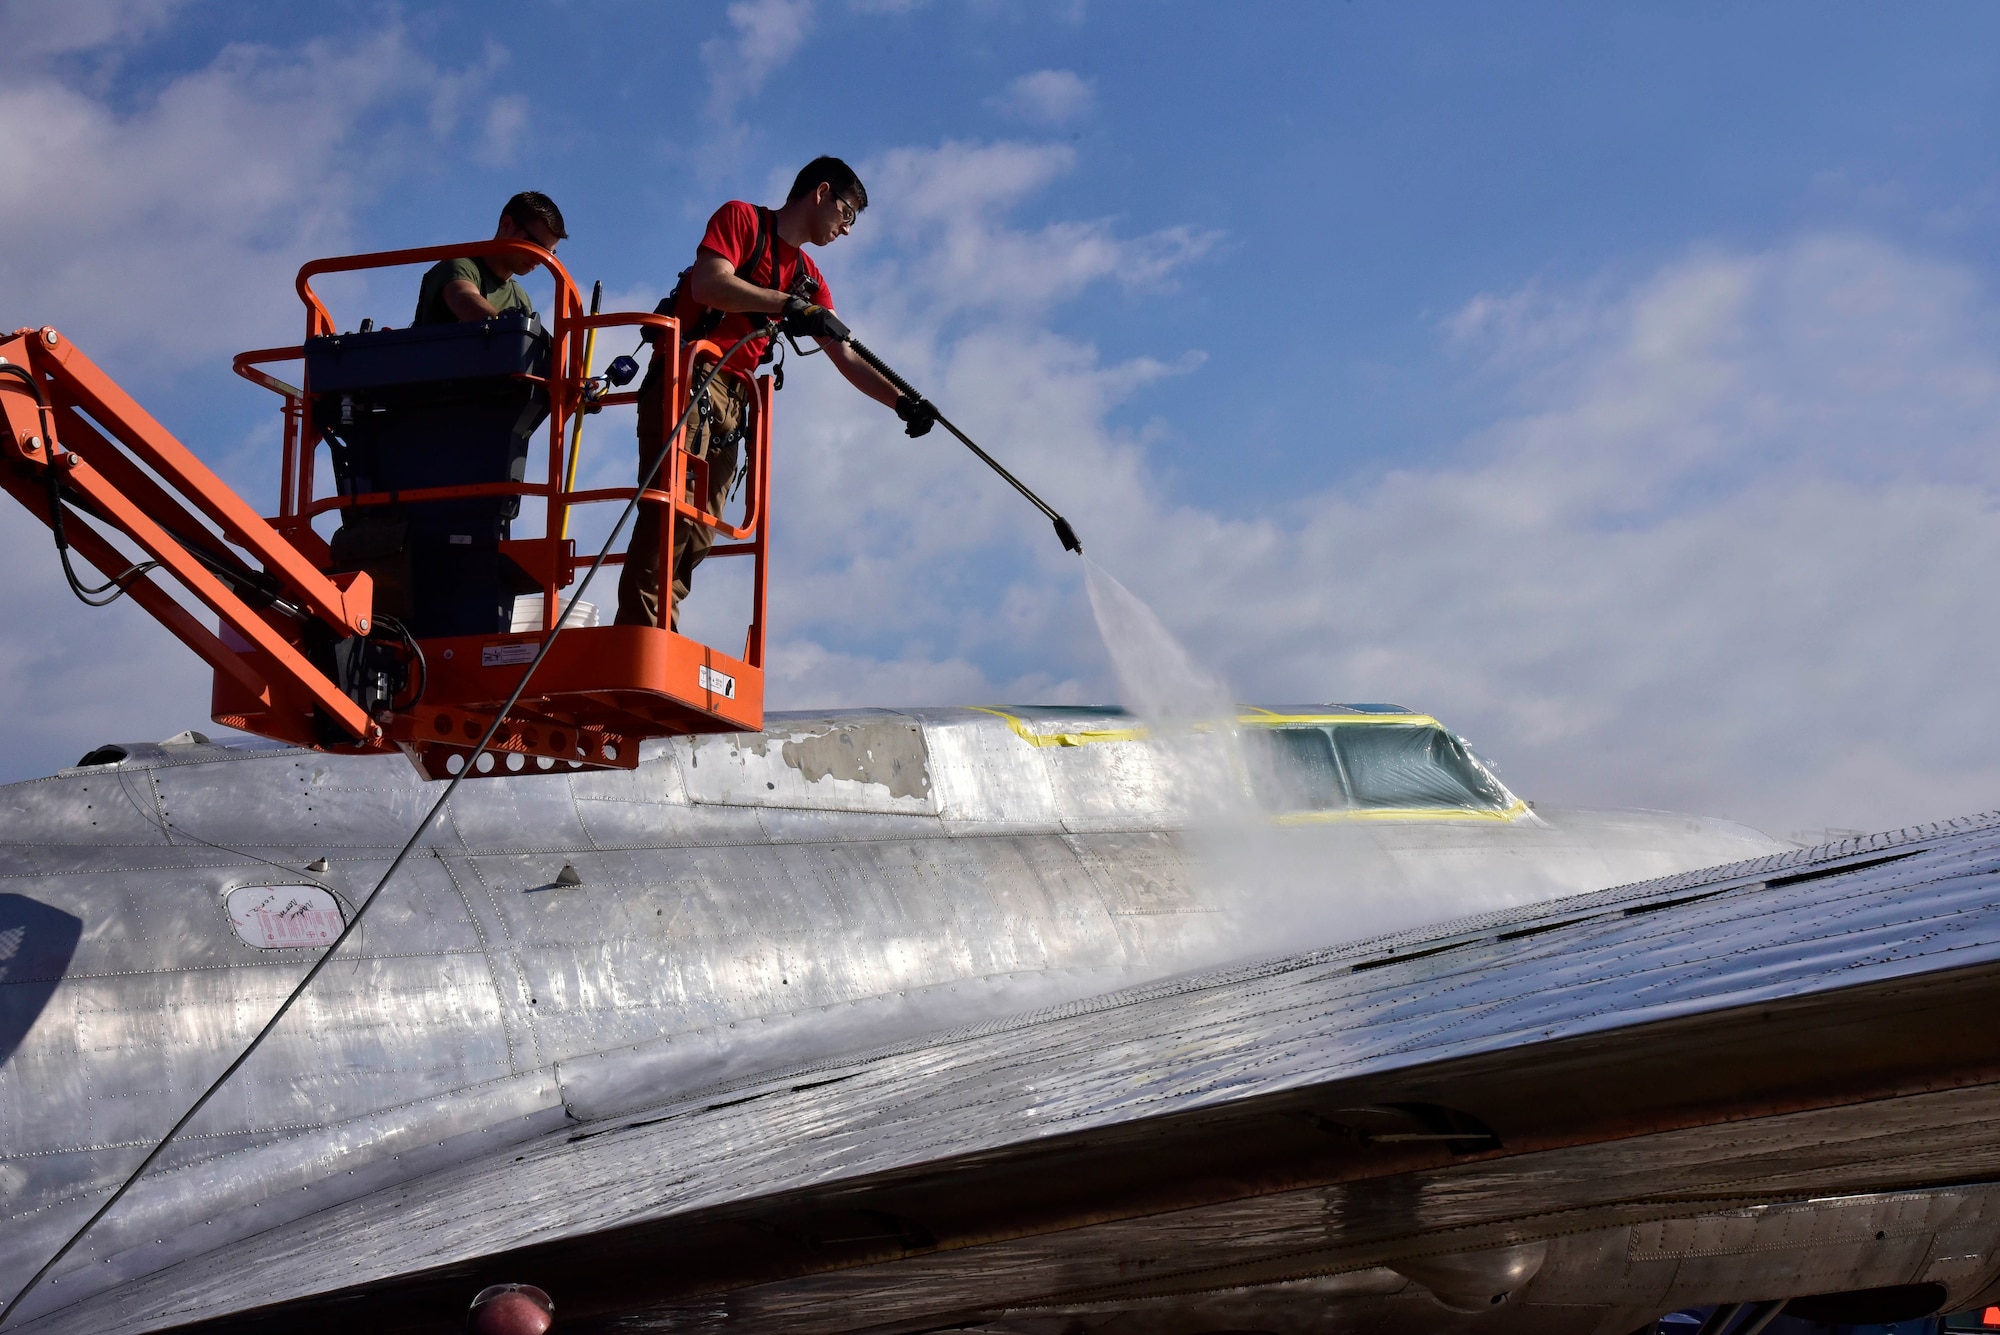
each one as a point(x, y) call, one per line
point(890, 754)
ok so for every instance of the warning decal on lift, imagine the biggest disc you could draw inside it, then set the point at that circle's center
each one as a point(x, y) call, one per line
point(500, 655)
point(717, 682)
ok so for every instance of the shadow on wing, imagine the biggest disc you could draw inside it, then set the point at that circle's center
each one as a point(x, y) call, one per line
point(36, 945)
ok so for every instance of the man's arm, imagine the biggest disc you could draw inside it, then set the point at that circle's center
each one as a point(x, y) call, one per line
point(714, 283)
point(860, 374)
point(462, 296)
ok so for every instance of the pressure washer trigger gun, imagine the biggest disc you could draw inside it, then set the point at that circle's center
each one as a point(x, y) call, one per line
point(806, 288)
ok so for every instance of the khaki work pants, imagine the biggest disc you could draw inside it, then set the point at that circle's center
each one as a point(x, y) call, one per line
point(713, 435)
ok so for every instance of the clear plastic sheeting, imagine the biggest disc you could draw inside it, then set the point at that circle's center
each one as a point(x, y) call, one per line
point(1362, 766)
point(1391, 766)
point(1293, 769)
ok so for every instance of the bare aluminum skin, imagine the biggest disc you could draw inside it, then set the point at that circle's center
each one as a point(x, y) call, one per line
point(501, 1067)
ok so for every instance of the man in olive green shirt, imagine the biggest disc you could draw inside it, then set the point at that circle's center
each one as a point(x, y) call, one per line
point(462, 290)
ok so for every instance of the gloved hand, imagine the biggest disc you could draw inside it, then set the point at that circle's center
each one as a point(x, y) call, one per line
point(919, 415)
point(802, 319)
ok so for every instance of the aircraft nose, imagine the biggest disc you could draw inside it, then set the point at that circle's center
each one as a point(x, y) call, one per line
point(510, 1309)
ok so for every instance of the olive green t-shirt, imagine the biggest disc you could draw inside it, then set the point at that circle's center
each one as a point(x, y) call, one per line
point(503, 294)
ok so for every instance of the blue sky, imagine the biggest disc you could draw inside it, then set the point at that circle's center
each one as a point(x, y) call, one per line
point(1617, 382)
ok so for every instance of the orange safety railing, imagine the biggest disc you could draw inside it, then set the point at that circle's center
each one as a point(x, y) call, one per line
point(298, 505)
point(631, 669)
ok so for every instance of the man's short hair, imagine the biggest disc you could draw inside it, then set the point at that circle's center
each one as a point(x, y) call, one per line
point(833, 172)
point(534, 206)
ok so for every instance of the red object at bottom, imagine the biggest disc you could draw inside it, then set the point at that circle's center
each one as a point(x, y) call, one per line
point(511, 1309)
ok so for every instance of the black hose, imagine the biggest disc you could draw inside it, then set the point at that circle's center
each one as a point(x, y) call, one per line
point(246, 583)
point(395, 865)
point(87, 595)
point(416, 656)
point(1064, 532)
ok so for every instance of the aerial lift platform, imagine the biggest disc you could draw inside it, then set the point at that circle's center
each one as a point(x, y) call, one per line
point(398, 633)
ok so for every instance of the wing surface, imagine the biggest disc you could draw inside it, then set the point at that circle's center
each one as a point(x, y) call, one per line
point(1771, 1031)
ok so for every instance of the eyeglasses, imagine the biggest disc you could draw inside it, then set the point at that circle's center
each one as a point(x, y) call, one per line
point(848, 212)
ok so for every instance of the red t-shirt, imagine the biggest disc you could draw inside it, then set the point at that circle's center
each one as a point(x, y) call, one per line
point(732, 234)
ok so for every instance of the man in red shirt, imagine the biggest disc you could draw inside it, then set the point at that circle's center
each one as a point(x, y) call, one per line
point(750, 263)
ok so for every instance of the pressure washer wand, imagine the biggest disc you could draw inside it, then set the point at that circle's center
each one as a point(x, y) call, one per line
point(1070, 541)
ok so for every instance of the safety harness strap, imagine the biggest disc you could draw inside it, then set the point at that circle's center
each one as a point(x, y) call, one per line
point(761, 249)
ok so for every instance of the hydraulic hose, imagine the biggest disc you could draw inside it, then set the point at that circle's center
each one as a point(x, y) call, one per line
point(115, 586)
point(1070, 541)
point(249, 585)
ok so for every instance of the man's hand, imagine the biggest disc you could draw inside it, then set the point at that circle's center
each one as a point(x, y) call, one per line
point(802, 319)
point(919, 415)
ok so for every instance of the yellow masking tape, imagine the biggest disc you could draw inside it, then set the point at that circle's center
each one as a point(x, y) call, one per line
point(1511, 813)
point(1084, 738)
point(1266, 719)
point(1263, 718)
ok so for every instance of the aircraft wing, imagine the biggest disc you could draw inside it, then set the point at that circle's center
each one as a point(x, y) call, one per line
point(1776, 1074)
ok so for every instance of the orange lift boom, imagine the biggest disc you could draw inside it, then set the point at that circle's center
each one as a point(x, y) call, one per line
point(291, 624)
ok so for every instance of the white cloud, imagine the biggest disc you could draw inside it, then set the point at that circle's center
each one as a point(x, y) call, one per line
point(31, 30)
point(767, 34)
point(72, 677)
point(165, 233)
point(1047, 97)
point(945, 209)
point(942, 185)
point(506, 118)
point(1725, 554)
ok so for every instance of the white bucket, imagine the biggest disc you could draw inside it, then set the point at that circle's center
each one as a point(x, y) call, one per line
point(528, 614)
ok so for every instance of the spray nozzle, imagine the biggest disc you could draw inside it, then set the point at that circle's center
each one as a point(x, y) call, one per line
point(1070, 542)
